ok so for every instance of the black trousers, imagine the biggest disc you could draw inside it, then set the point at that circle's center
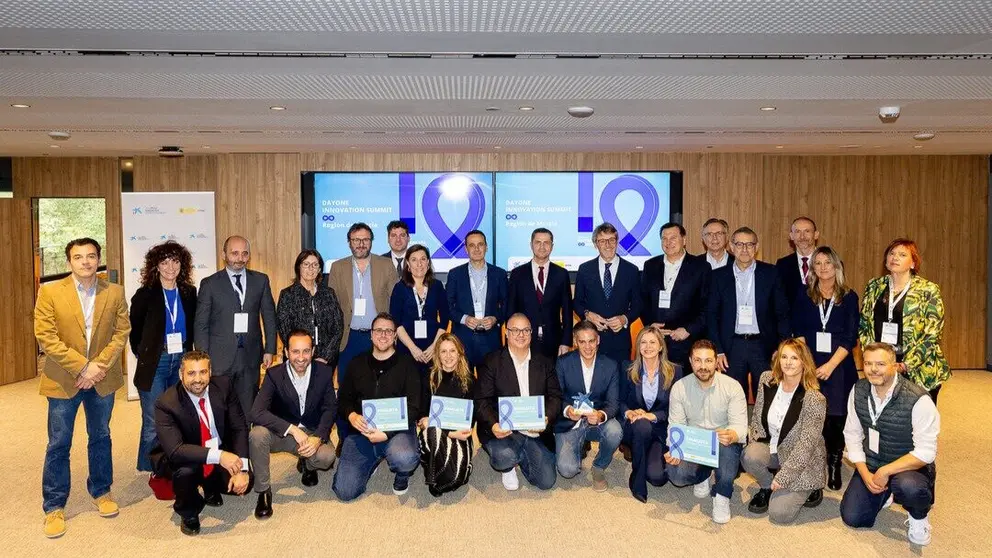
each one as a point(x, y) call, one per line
point(187, 480)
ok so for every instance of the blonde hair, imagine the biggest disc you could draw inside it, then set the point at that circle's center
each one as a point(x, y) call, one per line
point(666, 367)
point(461, 371)
point(809, 367)
point(840, 285)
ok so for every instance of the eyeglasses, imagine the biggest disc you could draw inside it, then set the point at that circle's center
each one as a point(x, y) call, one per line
point(310, 265)
point(518, 331)
point(606, 242)
point(743, 245)
point(361, 241)
point(383, 332)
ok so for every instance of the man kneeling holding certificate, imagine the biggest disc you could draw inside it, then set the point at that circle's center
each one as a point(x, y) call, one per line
point(709, 404)
point(381, 398)
point(515, 386)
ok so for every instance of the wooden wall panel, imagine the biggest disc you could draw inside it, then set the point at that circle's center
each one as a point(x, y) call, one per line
point(17, 318)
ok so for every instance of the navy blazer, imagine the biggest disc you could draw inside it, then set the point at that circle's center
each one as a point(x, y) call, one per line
point(459, 289)
point(771, 307)
point(277, 404)
point(688, 305)
point(403, 307)
point(553, 314)
point(604, 390)
point(632, 396)
point(624, 300)
point(791, 276)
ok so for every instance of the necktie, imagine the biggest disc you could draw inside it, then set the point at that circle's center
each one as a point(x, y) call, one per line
point(399, 267)
point(237, 283)
point(540, 284)
point(205, 432)
point(608, 281)
point(805, 270)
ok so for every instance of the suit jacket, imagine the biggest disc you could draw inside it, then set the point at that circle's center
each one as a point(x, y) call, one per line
point(216, 305)
point(792, 277)
point(688, 303)
point(340, 278)
point(624, 300)
point(802, 454)
point(459, 289)
point(498, 378)
point(604, 390)
point(148, 328)
point(553, 314)
point(60, 328)
point(278, 404)
point(729, 257)
point(771, 309)
point(632, 398)
point(178, 426)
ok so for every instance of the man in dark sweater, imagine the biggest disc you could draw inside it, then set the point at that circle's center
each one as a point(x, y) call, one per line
point(378, 374)
point(891, 437)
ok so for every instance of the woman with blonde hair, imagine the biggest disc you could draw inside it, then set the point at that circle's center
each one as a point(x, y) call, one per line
point(786, 453)
point(644, 388)
point(446, 455)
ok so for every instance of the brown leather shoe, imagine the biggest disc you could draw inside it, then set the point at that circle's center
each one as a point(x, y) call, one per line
point(599, 483)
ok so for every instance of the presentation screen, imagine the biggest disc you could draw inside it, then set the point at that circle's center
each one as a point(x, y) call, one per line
point(439, 207)
point(572, 204)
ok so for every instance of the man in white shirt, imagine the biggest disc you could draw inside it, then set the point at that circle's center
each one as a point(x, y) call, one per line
point(891, 436)
point(716, 237)
point(399, 239)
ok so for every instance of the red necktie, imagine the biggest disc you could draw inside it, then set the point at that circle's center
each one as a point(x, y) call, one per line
point(540, 284)
point(805, 270)
point(205, 434)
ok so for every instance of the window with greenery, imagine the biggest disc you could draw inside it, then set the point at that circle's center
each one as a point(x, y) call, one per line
point(63, 219)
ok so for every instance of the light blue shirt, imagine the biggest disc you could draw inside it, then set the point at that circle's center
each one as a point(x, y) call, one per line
point(649, 389)
point(87, 301)
point(361, 285)
point(478, 285)
point(744, 283)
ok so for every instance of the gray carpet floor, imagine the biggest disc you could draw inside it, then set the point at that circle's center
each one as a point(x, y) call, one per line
point(481, 519)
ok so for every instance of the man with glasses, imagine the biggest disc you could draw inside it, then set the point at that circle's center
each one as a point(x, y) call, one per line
point(540, 289)
point(608, 294)
point(377, 374)
point(511, 372)
point(747, 314)
point(715, 237)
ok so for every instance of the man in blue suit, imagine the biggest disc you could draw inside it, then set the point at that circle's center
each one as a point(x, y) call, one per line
point(540, 290)
point(673, 294)
point(608, 294)
point(590, 386)
point(747, 314)
point(477, 300)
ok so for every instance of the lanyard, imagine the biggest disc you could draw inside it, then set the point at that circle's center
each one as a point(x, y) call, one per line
point(477, 291)
point(174, 310)
point(894, 300)
point(670, 279)
point(316, 329)
point(825, 316)
point(871, 404)
point(361, 277)
point(421, 302)
point(742, 296)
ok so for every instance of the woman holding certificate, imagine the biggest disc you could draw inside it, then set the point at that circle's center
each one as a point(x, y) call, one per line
point(786, 454)
point(446, 453)
point(420, 307)
point(906, 311)
point(644, 390)
point(826, 316)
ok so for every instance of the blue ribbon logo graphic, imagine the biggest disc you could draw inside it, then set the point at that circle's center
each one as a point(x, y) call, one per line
point(453, 242)
point(437, 407)
point(630, 240)
point(505, 410)
point(677, 436)
point(403, 408)
point(368, 411)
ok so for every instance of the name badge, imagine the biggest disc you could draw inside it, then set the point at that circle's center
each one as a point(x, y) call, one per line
point(890, 333)
point(174, 343)
point(420, 329)
point(664, 299)
point(241, 322)
point(540, 332)
point(872, 440)
point(745, 315)
point(823, 342)
point(480, 310)
point(212, 443)
point(359, 307)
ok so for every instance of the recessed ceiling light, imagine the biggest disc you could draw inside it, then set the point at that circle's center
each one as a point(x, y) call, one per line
point(850, 146)
point(20, 105)
point(779, 146)
point(127, 164)
point(917, 147)
point(277, 107)
point(638, 147)
point(498, 147)
point(352, 147)
point(53, 146)
point(709, 147)
point(525, 109)
point(204, 147)
point(924, 136)
point(492, 109)
point(768, 109)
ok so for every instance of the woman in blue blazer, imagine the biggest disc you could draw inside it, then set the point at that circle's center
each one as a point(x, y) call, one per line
point(644, 387)
point(420, 307)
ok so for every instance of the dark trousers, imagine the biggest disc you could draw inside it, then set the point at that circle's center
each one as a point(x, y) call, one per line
point(478, 345)
point(646, 441)
point(358, 342)
point(913, 490)
point(833, 433)
point(747, 358)
point(187, 480)
point(244, 378)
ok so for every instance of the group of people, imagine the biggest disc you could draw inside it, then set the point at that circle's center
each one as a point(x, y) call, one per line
point(718, 330)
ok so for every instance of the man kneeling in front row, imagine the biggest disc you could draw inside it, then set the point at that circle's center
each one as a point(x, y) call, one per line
point(203, 440)
point(293, 412)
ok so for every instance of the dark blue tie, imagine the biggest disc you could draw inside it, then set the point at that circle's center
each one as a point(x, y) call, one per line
point(608, 281)
point(241, 290)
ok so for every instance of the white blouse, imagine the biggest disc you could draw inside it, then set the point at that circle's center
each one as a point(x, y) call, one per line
point(776, 415)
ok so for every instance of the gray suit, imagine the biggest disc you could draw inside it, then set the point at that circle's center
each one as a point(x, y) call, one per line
point(217, 303)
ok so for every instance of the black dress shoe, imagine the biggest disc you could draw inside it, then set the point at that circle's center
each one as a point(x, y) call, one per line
point(263, 508)
point(628, 456)
point(190, 526)
point(759, 503)
point(309, 477)
point(814, 499)
point(213, 499)
point(835, 464)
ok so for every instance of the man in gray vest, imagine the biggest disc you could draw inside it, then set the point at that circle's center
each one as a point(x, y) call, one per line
point(891, 437)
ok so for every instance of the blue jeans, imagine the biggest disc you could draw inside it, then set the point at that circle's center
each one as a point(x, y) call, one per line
point(913, 490)
point(56, 479)
point(536, 461)
point(358, 343)
point(568, 446)
point(166, 376)
point(686, 473)
point(360, 457)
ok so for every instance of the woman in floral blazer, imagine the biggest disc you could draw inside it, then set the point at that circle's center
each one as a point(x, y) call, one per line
point(914, 320)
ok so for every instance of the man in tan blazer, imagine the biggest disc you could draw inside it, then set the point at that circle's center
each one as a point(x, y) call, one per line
point(81, 323)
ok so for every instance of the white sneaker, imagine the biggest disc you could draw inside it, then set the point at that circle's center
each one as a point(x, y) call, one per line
point(510, 480)
point(888, 502)
point(919, 530)
point(721, 509)
point(701, 490)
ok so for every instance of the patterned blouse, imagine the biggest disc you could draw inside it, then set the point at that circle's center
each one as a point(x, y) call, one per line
point(297, 309)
